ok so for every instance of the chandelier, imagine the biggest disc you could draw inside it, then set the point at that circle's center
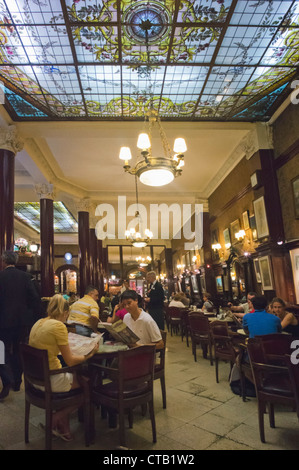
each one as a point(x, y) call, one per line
point(161, 169)
point(150, 169)
point(143, 261)
point(138, 239)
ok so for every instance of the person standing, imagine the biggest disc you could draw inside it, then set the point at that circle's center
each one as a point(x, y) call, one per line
point(19, 310)
point(155, 299)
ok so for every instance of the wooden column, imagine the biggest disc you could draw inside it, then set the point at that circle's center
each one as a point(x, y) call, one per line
point(208, 271)
point(10, 144)
point(169, 270)
point(7, 182)
point(100, 263)
point(121, 259)
point(93, 254)
point(271, 196)
point(84, 251)
point(46, 195)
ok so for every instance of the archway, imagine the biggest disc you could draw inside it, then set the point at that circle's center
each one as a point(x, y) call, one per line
point(67, 278)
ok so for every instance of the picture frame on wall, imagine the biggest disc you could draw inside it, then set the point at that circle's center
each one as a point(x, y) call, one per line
point(219, 284)
point(295, 189)
point(234, 228)
point(252, 224)
point(294, 254)
point(245, 217)
point(226, 236)
point(266, 273)
point(261, 217)
point(257, 270)
point(194, 284)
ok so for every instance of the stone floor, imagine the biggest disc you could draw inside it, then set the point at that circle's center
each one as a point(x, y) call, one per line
point(200, 415)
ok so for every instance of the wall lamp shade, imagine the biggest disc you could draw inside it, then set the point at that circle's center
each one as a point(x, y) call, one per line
point(179, 145)
point(125, 153)
point(143, 141)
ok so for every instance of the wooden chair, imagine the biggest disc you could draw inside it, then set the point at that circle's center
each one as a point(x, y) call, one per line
point(275, 346)
point(166, 315)
point(272, 384)
point(294, 376)
point(131, 385)
point(222, 343)
point(200, 334)
point(185, 325)
point(159, 371)
point(36, 372)
point(174, 318)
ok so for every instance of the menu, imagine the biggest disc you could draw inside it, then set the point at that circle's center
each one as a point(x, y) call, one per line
point(121, 332)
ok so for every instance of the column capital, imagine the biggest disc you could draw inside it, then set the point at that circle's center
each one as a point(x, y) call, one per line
point(44, 191)
point(10, 140)
point(261, 137)
point(83, 205)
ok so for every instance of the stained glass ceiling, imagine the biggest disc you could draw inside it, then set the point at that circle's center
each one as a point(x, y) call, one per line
point(192, 60)
point(29, 213)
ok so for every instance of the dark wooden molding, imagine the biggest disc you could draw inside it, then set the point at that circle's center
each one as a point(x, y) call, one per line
point(286, 156)
point(231, 202)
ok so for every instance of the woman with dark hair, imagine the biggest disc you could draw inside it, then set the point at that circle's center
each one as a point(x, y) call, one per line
point(289, 322)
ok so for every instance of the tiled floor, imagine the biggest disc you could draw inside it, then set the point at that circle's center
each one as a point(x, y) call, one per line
point(200, 415)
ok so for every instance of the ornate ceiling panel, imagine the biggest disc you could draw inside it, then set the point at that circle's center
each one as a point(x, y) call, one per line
point(192, 60)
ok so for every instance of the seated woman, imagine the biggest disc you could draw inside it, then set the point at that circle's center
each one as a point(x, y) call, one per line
point(176, 301)
point(208, 305)
point(50, 333)
point(118, 313)
point(289, 322)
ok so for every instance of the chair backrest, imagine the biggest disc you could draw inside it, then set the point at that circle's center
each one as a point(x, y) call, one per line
point(137, 364)
point(199, 323)
point(161, 352)
point(294, 376)
point(276, 343)
point(219, 328)
point(256, 351)
point(174, 312)
point(36, 366)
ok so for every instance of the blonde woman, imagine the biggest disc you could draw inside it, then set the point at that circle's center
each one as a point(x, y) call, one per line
point(50, 333)
point(289, 322)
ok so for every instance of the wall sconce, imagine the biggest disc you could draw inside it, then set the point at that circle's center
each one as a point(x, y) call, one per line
point(216, 246)
point(240, 235)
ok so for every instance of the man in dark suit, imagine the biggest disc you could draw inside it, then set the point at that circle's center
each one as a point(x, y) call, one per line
point(19, 310)
point(155, 299)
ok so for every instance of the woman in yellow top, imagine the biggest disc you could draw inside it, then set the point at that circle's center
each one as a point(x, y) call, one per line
point(51, 334)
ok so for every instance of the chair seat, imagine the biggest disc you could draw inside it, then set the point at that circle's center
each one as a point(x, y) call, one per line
point(279, 384)
point(56, 395)
point(111, 390)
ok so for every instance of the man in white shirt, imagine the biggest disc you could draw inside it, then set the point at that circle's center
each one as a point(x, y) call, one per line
point(241, 310)
point(140, 322)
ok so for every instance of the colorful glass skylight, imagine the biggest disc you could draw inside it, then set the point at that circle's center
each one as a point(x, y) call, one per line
point(29, 213)
point(191, 60)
